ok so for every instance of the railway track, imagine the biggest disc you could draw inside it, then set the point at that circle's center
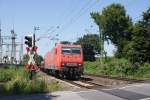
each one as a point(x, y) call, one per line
point(115, 78)
point(82, 83)
point(85, 84)
point(98, 81)
point(90, 81)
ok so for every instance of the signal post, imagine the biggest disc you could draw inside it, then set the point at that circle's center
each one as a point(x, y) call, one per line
point(31, 66)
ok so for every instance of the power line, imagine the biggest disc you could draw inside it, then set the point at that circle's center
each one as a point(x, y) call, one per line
point(136, 18)
point(83, 10)
point(70, 8)
point(52, 30)
point(78, 13)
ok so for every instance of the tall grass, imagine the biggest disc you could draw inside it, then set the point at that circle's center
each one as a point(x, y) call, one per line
point(14, 82)
point(117, 68)
point(11, 73)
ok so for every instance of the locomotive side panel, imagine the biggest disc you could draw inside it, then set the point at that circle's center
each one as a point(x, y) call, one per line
point(47, 60)
point(58, 57)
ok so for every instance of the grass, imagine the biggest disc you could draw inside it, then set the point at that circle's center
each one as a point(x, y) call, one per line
point(14, 82)
point(9, 74)
point(117, 68)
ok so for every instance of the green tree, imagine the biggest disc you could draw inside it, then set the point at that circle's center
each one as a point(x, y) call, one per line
point(25, 59)
point(115, 26)
point(90, 44)
point(139, 48)
point(38, 59)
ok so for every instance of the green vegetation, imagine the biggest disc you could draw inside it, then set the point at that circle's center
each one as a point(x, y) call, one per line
point(138, 50)
point(15, 81)
point(115, 25)
point(115, 67)
point(91, 46)
point(132, 41)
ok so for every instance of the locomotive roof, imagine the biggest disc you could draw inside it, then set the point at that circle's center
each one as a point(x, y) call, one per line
point(68, 45)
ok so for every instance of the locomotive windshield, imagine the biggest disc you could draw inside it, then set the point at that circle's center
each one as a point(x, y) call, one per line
point(71, 51)
point(76, 50)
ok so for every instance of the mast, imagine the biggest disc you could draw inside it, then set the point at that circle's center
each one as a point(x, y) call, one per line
point(0, 44)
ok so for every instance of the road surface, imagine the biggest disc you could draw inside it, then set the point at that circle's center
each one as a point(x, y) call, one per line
point(139, 91)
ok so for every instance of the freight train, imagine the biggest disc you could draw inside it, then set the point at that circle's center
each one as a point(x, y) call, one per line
point(65, 61)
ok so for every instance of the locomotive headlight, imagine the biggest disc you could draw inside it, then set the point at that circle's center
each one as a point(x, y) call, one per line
point(79, 64)
point(62, 64)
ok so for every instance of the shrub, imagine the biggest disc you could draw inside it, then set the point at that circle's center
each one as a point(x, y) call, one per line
point(18, 86)
point(17, 82)
point(6, 75)
point(36, 86)
point(23, 86)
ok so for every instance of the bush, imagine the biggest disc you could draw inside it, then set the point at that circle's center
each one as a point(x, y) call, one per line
point(18, 86)
point(17, 82)
point(36, 86)
point(118, 68)
point(23, 86)
point(6, 75)
point(143, 71)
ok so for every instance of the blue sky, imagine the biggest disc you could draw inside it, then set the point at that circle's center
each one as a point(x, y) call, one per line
point(72, 17)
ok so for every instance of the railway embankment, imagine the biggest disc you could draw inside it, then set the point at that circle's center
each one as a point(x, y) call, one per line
point(120, 68)
point(16, 82)
point(66, 85)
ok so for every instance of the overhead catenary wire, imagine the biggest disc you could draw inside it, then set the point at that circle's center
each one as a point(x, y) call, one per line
point(53, 29)
point(73, 16)
point(81, 12)
point(69, 9)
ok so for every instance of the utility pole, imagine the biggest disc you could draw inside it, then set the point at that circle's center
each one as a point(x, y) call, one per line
point(21, 51)
point(35, 29)
point(101, 44)
point(0, 44)
point(13, 50)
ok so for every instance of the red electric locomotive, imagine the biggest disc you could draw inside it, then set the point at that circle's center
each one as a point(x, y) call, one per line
point(65, 61)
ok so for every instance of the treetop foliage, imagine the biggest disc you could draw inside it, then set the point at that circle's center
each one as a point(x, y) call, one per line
point(91, 40)
point(131, 40)
point(91, 45)
point(113, 22)
point(140, 44)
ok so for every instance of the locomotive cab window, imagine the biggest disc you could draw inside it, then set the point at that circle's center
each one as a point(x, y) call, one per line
point(76, 51)
point(66, 50)
point(71, 51)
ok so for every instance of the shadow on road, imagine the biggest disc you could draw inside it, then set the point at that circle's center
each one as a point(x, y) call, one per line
point(30, 97)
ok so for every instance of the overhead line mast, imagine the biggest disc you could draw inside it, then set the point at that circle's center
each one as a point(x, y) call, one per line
point(0, 44)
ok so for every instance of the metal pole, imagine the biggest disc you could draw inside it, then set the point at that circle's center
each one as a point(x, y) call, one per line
point(21, 51)
point(101, 50)
point(0, 44)
point(33, 39)
point(35, 28)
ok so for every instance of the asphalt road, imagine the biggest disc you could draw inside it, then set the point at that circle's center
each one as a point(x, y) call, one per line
point(139, 91)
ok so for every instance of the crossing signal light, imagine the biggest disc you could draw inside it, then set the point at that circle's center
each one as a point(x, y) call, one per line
point(28, 41)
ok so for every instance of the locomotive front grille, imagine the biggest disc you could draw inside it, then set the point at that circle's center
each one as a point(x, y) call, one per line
point(71, 64)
